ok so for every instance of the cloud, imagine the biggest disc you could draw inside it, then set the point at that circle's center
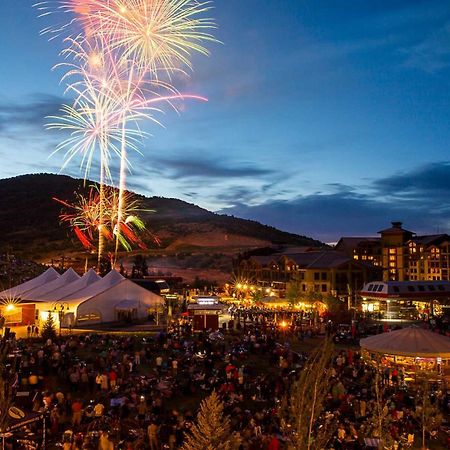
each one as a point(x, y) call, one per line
point(418, 198)
point(203, 168)
point(432, 54)
point(29, 114)
point(429, 180)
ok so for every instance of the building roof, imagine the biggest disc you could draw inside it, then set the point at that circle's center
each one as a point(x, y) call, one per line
point(348, 244)
point(298, 249)
point(329, 260)
point(323, 259)
point(406, 289)
point(17, 291)
point(411, 341)
point(396, 229)
point(263, 260)
point(432, 239)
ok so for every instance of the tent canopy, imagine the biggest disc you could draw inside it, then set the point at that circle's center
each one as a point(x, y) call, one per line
point(67, 277)
point(18, 291)
point(86, 280)
point(96, 288)
point(410, 341)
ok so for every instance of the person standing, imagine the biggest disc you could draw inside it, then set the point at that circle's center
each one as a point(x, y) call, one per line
point(152, 432)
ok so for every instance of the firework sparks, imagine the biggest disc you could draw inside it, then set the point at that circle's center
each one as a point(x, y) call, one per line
point(117, 51)
point(84, 217)
point(159, 35)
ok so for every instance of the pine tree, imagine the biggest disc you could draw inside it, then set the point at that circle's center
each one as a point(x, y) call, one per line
point(49, 329)
point(212, 431)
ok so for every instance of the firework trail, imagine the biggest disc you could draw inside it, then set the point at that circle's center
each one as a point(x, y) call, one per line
point(118, 52)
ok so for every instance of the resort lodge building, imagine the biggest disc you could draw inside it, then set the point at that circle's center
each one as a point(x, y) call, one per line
point(324, 272)
point(397, 255)
point(401, 254)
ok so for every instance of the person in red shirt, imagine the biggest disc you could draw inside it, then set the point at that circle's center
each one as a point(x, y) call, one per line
point(77, 410)
point(274, 443)
point(112, 378)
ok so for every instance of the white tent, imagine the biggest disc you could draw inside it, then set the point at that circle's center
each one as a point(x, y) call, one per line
point(121, 299)
point(65, 279)
point(86, 280)
point(87, 300)
point(18, 291)
point(103, 284)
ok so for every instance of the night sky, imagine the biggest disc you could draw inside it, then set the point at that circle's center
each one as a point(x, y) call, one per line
point(323, 119)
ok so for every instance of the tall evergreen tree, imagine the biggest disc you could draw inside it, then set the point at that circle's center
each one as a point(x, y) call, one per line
point(49, 328)
point(212, 431)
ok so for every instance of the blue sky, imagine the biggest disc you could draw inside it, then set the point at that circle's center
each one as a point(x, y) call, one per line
point(323, 119)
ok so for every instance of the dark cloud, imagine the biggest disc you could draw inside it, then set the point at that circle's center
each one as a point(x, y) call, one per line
point(418, 198)
point(207, 168)
point(29, 114)
point(430, 179)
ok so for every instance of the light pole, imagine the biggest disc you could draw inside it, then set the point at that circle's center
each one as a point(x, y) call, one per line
point(60, 308)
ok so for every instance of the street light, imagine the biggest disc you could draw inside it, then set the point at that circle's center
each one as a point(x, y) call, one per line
point(60, 308)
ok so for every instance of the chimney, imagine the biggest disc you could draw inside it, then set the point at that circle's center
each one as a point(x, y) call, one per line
point(397, 225)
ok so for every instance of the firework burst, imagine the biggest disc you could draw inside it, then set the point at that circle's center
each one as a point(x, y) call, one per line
point(116, 52)
point(84, 217)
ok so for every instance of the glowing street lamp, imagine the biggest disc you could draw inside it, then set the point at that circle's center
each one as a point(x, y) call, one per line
point(60, 308)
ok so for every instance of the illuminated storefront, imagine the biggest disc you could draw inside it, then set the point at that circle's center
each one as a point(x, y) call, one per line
point(405, 300)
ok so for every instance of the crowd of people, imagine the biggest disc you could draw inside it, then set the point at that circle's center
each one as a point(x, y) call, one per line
point(138, 392)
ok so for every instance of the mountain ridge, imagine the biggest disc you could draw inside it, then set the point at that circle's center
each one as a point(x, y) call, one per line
point(29, 222)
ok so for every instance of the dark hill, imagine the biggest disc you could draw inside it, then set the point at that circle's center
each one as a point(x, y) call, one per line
point(29, 224)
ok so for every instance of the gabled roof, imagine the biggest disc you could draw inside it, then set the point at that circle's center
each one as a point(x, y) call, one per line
point(348, 244)
point(303, 260)
point(86, 280)
point(47, 288)
point(329, 260)
point(396, 229)
point(263, 260)
point(17, 291)
point(431, 239)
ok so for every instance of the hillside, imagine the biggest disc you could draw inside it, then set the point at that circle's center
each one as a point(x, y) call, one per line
point(29, 223)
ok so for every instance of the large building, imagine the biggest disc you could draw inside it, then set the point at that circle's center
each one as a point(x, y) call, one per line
point(401, 254)
point(396, 255)
point(326, 272)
